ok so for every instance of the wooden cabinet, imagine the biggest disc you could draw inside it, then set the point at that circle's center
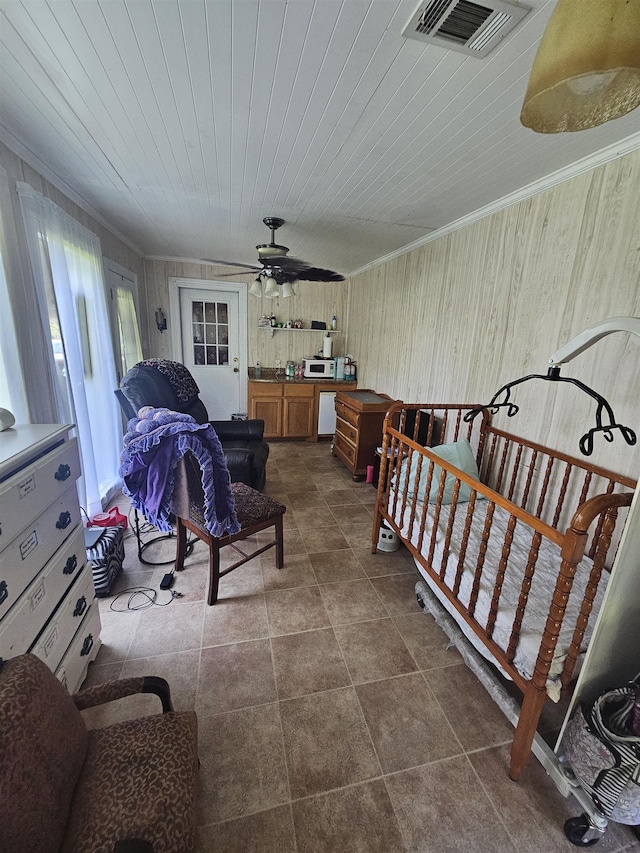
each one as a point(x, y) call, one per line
point(289, 409)
point(298, 411)
point(47, 598)
point(266, 402)
point(359, 419)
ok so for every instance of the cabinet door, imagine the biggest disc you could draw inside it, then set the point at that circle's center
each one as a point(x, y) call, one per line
point(270, 410)
point(298, 417)
point(299, 411)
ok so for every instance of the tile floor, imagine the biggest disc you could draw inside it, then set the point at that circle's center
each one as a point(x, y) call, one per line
point(332, 716)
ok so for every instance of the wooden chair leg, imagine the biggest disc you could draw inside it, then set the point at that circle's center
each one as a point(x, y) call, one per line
point(181, 544)
point(279, 543)
point(214, 571)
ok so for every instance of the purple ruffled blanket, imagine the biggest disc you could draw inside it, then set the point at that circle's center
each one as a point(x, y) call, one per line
point(154, 443)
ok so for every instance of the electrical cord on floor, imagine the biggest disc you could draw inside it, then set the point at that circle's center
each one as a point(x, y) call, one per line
point(148, 594)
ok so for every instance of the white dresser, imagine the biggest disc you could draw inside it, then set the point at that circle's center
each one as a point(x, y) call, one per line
point(47, 600)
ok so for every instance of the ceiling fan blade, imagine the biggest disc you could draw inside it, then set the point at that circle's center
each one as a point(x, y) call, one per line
point(316, 274)
point(231, 264)
point(303, 270)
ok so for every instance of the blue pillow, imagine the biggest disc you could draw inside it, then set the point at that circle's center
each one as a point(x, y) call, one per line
point(459, 454)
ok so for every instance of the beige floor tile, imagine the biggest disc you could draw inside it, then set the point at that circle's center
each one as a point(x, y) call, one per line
point(442, 808)
point(397, 593)
point(232, 620)
point(296, 571)
point(374, 650)
point(179, 669)
point(270, 831)
point(382, 564)
point(428, 643)
point(319, 540)
point(238, 675)
point(351, 514)
point(161, 630)
point(358, 534)
point(310, 519)
point(245, 580)
point(326, 742)
point(292, 610)
point(406, 723)
point(351, 601)
point(469, 708)
point(358, 819)
point(116, 633)
point(340, 497)
point(334, 566)
point(242, 764)
point(308, 663)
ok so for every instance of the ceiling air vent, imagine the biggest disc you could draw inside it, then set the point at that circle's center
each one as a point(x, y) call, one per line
point(471, 28)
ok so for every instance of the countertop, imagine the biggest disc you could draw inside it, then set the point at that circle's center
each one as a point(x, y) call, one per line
point(268, 374)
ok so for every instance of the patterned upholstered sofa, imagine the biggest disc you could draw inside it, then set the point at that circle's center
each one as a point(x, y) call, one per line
point(129, 786)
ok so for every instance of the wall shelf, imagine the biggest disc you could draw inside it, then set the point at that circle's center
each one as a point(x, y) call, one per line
point(273, 329)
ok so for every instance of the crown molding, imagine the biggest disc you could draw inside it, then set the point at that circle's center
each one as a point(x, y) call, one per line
point(586, 164)
point(20, 150)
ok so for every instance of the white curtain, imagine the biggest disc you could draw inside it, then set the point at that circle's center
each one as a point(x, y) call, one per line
point(12, 391)
point(67, 265)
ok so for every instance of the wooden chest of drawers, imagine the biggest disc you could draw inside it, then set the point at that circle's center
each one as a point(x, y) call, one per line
point(359, 418)
point(47, 598)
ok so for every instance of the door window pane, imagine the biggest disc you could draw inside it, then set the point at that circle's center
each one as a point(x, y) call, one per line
point(210, 326)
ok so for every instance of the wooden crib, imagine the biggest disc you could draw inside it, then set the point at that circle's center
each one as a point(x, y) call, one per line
point(515, 540)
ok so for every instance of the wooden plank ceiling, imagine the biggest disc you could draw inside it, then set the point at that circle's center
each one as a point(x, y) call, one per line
point(184, 122)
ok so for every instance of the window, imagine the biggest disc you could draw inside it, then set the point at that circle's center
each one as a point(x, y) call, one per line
point(67, 265)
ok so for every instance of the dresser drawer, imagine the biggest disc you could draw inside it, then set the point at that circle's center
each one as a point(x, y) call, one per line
point(72, 669)
point(347, 414)
point(345, 449)
point(25, 495)
point(346, 430)
point(27, 555)
point(31, 613)
point(53, 642)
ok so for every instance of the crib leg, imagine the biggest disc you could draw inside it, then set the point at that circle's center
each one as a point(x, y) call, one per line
point(532, 705)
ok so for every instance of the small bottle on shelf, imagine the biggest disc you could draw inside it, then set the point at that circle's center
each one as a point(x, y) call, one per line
point(334, 323)
point(256, 370)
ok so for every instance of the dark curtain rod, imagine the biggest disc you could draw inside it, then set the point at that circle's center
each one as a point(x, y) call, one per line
point(553, 375)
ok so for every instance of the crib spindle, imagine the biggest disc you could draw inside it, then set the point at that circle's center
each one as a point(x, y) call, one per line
point(515, 472)
point(545, 487)
point(482, 555)
point(562, 493)
point(502, 569)
point(503, 466)
point(464, 542)
point(525, 589)
point(447, 537)
point(529, 480)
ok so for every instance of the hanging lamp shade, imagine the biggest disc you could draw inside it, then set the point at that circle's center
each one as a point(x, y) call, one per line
point(256, 288)
point(271, 288)
point(587, 68)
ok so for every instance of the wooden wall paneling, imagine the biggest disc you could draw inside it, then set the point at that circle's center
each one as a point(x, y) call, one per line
point(491, 302)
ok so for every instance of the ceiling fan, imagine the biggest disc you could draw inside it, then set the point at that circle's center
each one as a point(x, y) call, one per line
point(276, 268)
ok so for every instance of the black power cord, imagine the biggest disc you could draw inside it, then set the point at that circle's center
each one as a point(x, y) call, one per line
point(148, 595)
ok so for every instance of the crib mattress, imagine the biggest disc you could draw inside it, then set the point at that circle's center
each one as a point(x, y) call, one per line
point(543, 584)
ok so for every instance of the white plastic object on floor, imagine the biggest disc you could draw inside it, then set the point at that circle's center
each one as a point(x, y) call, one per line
point(387, 539)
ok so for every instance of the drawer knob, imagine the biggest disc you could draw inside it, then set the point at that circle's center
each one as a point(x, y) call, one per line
point(70, 565)
point(63, 473)
point(81, 606)
point(64, 521)
point(4, 592)
point(86, 646)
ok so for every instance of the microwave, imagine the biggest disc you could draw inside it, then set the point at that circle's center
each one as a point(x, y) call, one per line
point(318, 368)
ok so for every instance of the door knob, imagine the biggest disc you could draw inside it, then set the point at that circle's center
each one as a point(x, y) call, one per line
point(236, 369)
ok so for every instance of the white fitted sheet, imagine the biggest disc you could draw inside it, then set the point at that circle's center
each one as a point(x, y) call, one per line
point(540, 595)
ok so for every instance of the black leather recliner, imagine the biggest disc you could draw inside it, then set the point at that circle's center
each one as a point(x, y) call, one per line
point(244, 449)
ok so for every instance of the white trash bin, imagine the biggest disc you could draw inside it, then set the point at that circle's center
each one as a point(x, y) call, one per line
point(387, 539)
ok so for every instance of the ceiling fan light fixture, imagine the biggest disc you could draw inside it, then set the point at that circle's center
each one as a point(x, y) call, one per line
point(587, 68)
point(256, 288)
point(271, 287)
point(287, 289)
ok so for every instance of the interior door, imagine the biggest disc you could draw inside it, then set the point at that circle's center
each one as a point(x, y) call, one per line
point(211, 347)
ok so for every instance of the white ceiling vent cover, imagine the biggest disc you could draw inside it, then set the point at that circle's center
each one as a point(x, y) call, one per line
point(471, 28)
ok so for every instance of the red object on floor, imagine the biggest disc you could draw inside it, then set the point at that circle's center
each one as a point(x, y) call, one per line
point(111, 518)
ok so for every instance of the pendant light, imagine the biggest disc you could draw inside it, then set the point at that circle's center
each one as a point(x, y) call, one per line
point(587, 68)
point(287, 289)
point(256, 288)
point(271, 287)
